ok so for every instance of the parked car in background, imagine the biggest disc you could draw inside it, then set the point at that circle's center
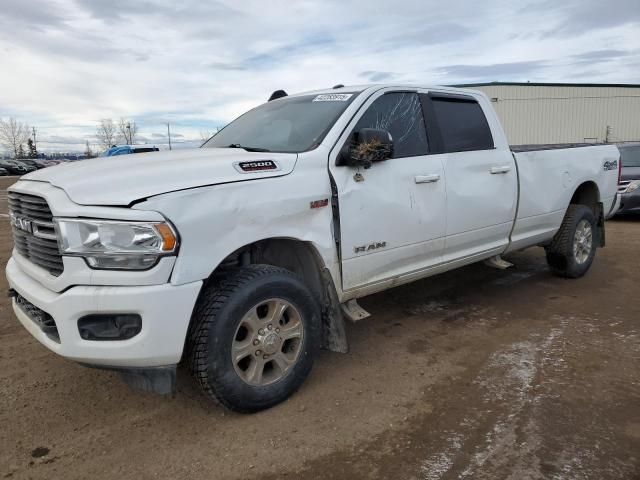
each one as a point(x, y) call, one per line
point(15, 167)
point(20, 162)
point(50, 163)
point(629, 186)
point(4, 172)
point(128, 149)
point(31, 163)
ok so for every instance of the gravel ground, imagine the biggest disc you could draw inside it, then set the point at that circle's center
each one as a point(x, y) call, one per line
point(477, 373)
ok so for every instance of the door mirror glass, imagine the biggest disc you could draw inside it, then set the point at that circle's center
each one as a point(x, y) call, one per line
point(368, 145)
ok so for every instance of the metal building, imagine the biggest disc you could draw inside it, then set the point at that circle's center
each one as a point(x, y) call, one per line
point(542, 113)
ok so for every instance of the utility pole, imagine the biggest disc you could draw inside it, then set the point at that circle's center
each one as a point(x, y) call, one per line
point(169, 135)
point(35, 145)
point(129, 131)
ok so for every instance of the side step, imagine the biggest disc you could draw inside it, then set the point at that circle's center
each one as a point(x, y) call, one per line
point(353, 311)
point(498, 262)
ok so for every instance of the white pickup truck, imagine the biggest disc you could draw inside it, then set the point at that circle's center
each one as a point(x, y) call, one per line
point(242, 258)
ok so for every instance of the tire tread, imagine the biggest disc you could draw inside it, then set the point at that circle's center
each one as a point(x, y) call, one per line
point(560, 251)
point(214, 296)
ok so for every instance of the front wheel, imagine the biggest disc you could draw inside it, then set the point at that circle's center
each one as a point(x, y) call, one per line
point(573, 248)
point(254, 337)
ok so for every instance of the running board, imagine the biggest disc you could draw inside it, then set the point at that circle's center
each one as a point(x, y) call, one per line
point(353, 311)
point(497, 262)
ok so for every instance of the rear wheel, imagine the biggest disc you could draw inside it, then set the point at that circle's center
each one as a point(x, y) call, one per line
point(573, 248)
point(254, 337)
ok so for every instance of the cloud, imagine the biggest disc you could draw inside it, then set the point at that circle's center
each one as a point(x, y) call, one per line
point(199, 64)
point(498, 71)
point(373, 76)
point(578, 16)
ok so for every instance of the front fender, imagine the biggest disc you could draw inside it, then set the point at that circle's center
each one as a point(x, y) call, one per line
point(215, 221)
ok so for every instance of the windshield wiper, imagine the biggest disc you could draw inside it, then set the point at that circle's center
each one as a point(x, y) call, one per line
point(248, 149)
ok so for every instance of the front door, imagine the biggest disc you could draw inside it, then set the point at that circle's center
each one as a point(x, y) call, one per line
point(392, 215)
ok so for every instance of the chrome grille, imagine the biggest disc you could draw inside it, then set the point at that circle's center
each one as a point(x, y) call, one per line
point(34, 235)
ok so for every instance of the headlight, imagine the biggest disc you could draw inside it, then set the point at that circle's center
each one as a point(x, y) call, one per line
point(106, 244)
point(633, 185)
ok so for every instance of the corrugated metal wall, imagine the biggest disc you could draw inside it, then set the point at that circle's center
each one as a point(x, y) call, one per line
point(566, 114)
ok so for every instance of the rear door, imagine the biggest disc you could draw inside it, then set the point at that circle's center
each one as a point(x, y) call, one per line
point(481, 180)
point(392, 220)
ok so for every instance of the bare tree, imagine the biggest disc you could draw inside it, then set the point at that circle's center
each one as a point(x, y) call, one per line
point(106, 133)
point(13, 135)
point(88, 152)
point(128, 131)
point(205, 135)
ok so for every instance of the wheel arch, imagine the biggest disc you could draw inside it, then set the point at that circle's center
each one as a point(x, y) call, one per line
point(587, 194)
point(302, 258)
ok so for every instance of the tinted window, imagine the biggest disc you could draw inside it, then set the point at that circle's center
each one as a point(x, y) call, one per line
point(401, 115)
point(630, 156)
point(462, 125)
point(289, 124)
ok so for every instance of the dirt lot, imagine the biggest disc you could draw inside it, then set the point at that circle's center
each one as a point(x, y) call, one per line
point(478, 373)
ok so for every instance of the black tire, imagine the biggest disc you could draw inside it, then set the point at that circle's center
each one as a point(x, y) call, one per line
point(560, 254)
point(217, 317)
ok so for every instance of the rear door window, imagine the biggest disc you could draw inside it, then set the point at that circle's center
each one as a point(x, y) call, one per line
point(400, 114)
point(462, 125)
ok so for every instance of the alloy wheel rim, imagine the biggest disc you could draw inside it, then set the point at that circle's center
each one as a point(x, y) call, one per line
point(267, 342)
point(582, 242)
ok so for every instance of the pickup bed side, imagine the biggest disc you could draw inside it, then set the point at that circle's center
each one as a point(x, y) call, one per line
point(548, 181)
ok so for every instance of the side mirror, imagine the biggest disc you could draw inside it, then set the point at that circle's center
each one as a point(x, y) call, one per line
point(368, 145)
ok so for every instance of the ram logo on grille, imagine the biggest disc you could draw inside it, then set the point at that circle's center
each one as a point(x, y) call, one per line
point(20, 223)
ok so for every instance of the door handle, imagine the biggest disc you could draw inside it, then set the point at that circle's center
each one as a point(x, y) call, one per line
point(501, 169)
point(427, 178)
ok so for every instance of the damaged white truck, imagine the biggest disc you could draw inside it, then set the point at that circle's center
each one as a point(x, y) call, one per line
point(242, 259)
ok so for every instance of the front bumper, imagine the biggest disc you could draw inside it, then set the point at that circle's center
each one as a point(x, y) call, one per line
point(165, 310)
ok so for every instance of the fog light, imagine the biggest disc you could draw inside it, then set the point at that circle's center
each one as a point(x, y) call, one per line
point(109, 326)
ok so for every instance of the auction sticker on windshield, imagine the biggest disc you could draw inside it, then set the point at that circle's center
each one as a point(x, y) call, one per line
point(333, 97)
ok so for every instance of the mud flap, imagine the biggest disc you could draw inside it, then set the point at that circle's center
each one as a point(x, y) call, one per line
point(334, 336)
point(600, 223)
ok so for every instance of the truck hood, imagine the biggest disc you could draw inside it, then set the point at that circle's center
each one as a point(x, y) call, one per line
point(123, 179)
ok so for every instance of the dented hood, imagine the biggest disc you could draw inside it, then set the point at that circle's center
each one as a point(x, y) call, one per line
point(124, 179)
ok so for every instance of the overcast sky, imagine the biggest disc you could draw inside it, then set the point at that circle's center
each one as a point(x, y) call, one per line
point(66, 64)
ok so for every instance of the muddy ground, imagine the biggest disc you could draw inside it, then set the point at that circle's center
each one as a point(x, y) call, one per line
point(477, 373)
